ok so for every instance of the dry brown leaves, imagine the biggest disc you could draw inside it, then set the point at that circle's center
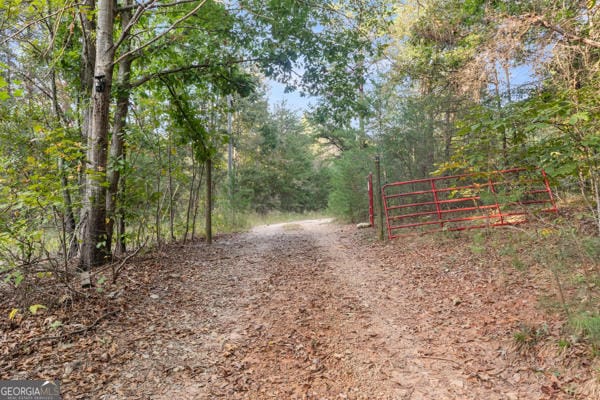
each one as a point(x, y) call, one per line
point(305, 311)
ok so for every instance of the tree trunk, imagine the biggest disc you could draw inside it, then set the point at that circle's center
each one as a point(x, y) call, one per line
point(191, 197)
point(88, 61)
point(197, 200)
point(170, 183)
point(230, 151)
point(69, 217)
point(121, 245)
point(93, 249)
point(86, 77)
point(117, 148)
point(448, 135)
point(158, 200)
point(499, 107)
point(208, 225)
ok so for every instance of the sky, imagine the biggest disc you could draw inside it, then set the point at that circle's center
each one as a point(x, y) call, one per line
point(293, 100)
point(520, 75)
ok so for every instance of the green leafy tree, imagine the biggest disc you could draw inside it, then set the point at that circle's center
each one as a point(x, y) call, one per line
point(348, 199)
point(283, 173)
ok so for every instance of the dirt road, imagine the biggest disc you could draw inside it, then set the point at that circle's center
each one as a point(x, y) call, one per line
point(308, 310)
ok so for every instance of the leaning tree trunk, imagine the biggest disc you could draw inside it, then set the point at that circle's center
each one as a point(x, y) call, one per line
point(86, 77)
point(197, 200)
point(93, 249)
point(170, 187)
point(190, 205)
point(71, 246)
point(121, 245)
point(209, 200)
point(117, 148)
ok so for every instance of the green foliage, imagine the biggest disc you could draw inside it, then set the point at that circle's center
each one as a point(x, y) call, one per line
point(55, 325)
point(13, 313)
point(284, 173)
point(412, 138)
point(31, 196)
point(34, 308)
point(545, 130)
point(479, 243)
point(348, 199)
point(176, 88)
point(459, 52)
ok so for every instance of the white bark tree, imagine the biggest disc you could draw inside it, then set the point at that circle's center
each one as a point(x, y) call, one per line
point(94, 202)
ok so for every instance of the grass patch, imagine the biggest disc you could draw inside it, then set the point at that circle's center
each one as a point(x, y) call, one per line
point(254, 219)
point(587, 324)
point(528, 336)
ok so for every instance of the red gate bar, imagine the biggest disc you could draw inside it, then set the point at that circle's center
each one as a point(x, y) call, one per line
point(465, 201)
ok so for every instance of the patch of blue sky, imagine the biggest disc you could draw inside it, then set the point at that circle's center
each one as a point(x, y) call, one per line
point(293, 100)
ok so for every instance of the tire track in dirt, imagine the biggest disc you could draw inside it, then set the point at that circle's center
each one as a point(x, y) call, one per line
point(258, 321)
point(308, 310)
point(437, 325)
point(412, 357)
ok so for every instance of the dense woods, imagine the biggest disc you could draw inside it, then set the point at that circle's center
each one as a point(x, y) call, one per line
point(485, 85)
point(117, 117)
point(129, 123)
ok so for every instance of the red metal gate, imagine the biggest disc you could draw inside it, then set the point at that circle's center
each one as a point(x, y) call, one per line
point(466, 201)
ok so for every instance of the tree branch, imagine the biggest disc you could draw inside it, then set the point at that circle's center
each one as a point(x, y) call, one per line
point(568, 35)
point(167, 72)
point(150, 6)
point(38, 86)
point(185, 115)
point(148, 43)
point(36, 21)
point(133, 20)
